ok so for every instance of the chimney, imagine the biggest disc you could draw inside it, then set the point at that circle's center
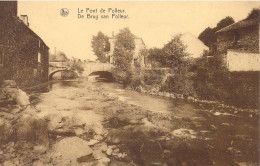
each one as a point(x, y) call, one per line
point(113, 35)
point(24, 18)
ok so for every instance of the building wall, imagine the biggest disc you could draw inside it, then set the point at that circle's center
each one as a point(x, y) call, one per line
point(8, 8)
point(25, 54)
point(247, 39)
point(242, 61)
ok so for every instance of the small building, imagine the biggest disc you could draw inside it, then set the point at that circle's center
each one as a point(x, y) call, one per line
point(239, 43)
point(139, 46)
point(24, 57)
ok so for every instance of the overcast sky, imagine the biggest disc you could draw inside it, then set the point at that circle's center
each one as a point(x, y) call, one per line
point(155, 22)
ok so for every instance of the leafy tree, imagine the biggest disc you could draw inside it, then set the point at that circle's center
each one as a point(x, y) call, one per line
point(255, 13)
point(124, 49)
point(209, 37)
point(174, 52)
point(77, 66)
point(155, 55)
point(224, 22)
point(100, 45)
point(125, 39)
point(123, 55)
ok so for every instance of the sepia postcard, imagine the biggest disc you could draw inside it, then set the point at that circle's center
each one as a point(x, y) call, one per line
point(129, 83)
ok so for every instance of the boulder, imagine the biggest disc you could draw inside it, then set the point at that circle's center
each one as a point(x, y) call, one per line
point(6, 115)
point(21, 98)
point(71, 149)
point(39, 149)
point(8, 163)
point(37, 163)
point(9, 83)
point(6, 131)
point(32, 131)
point(16, 94)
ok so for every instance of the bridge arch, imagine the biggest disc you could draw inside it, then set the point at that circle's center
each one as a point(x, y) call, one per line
point(61, 70)
point(104, 75)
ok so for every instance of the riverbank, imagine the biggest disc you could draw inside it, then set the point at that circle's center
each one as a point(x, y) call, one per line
point(155, 90)
point(80, 123)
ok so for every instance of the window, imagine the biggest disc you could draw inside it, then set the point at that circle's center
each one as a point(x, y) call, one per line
point(39, 57)
point(39, 43)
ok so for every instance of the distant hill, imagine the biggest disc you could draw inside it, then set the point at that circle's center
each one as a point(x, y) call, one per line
point(195, 47)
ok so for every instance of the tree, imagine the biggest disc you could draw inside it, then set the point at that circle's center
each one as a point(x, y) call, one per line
point(100, 45)
point(155, 55)
point(224, 22)
point(174, 52)
point(255, 13)
point(126, 39)
point(77, 66)
point(124, 49)
point(123, 55)
point(209, 37)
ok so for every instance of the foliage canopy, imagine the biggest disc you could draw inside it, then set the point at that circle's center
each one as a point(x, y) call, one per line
point(100, 45)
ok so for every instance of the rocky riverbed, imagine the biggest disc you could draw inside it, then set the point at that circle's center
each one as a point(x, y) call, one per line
point(81, 124)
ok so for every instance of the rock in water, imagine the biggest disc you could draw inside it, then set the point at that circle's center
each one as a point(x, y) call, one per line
point(6, 131)
point(32, 131)
point(151, 153)
point(37, 163)
point(39, 149)
point(72, 148)
point(21, 98)
point(11, 91)
point(9, 83)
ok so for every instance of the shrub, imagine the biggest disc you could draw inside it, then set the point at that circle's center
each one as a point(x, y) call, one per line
point(213, 81)
point(77, 66)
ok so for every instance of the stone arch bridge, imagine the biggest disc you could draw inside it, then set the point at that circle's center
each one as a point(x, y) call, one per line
point(89, 67)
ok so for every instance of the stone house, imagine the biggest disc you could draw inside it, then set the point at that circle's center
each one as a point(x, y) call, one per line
point(24, 57)
point(239, 42)
point(139, 46)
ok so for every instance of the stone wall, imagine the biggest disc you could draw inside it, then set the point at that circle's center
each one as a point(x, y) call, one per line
point(247, 39)
point(25, 54)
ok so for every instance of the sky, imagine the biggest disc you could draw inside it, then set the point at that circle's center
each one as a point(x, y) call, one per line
point(156, 22)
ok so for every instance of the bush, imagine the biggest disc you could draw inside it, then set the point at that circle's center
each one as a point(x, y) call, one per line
point(179, 83)
point(153, 76)
point(213, 81)
point(77, 66)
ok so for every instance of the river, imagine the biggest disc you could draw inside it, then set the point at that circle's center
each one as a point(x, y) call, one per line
point(231, 135)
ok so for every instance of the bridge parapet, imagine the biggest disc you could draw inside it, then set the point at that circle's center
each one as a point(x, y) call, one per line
point(95, 67)
point(89, 67)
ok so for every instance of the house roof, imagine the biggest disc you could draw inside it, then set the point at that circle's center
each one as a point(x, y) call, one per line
point(195, 47)
point(239, 25)
point(30, 30)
